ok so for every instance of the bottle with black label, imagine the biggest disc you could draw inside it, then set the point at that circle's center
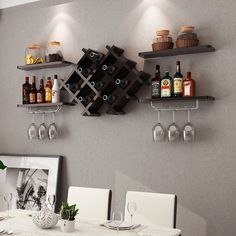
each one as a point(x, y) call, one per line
point(166, 85)
point(156, 81)
point(178, 82)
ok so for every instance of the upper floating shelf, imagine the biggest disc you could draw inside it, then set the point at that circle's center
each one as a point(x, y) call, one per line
point(177, 51)
point(168, 99)
point(45, 65)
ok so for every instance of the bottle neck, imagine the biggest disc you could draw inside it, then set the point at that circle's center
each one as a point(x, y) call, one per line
point(178, 70)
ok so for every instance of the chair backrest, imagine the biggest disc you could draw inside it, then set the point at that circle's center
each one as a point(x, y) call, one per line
point(93, 203)
point(153, 209)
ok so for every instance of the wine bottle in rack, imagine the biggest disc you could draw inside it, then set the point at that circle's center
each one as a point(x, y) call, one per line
point(97, 85)
point(85, 100)
point(96, 55)
point(109, 98)
point(109, 69)
point(85, 71)
point(122, 83)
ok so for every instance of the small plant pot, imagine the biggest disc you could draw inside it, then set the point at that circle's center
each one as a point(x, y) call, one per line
point(67, 226)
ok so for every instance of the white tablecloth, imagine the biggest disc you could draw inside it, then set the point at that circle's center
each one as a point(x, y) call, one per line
point(21, 223)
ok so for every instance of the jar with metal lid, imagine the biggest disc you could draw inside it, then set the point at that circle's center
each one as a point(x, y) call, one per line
point(34, 54)
point(54, 52)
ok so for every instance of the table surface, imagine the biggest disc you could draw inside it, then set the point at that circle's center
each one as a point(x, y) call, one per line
point(21, 223)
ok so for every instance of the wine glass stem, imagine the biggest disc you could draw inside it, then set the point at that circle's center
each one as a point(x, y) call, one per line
point(8, 210)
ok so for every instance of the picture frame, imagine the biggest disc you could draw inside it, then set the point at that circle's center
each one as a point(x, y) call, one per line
point(31, 179)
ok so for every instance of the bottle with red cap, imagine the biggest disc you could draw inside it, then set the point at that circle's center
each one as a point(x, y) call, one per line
point(188, 86)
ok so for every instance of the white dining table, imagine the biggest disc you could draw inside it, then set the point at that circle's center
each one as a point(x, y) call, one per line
point(20, 222)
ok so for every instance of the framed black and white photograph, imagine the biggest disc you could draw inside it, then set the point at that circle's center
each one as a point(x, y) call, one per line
point(30, 179)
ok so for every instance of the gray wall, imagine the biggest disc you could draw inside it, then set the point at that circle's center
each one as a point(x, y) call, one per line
point(117, 152)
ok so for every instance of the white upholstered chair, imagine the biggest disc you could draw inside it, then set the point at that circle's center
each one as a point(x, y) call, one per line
point(93, 203)
point(153, 209)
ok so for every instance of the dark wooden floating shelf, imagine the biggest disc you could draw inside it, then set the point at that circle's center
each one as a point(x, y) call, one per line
point(43, 105)
point(177, 51)
point(168, 99)
point(45, 65)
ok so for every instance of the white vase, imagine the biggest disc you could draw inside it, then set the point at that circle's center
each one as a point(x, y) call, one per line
point(45, 218)
point(67, 226)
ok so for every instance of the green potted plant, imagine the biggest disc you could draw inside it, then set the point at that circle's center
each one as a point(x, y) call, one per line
point(2, 166)
point(68, 214)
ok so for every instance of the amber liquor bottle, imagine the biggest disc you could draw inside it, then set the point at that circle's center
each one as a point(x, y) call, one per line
point(156, 83)
point(188, 86)
point(48, 91)
point(41, 93)
point(26, 91)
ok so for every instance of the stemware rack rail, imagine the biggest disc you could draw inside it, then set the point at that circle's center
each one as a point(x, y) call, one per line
point(177, 103)
point(42, 107)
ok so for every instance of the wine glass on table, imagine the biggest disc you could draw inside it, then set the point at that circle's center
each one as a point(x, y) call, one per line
point(8, 199)
point(132, 208)
point(117, 219)
point(51, 201)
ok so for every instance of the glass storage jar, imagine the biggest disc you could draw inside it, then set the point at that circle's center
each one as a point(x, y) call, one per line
point(34, 54)
point(54, 52)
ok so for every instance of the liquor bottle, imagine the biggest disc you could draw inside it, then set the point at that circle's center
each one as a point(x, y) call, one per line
point(122, 83)
point(48, 91)
point(85, 100)
point(166, 85)
point(188, 86)
point(156, 83)
point(41, 93)
point(97, 85)
point(178, 82)
point(96, 55)
point(33, 91)
point(109, 98)
point(109, 69)
point(85, 71)
point(55, 91)
point(25, 91)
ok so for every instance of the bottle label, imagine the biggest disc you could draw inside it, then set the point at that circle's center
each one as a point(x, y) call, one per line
point(39, 97)
point(32, 98)
point(178, 85)
point(55, 96)
point(187, 89)
point(165, 88)
point(156, 88)
point(48, 95)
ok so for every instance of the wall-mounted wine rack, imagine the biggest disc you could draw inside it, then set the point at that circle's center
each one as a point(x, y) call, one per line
point(100, 79)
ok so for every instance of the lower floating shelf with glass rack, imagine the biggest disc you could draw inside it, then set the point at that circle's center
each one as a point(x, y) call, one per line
point(176, 103)
point(43, 107)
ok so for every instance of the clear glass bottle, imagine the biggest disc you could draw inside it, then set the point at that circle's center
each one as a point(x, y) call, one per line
point(34, 54)
point(54, 52)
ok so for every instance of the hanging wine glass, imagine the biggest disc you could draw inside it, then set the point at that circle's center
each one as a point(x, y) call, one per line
point(158, 130)
point(32, 130)
point(173, 130)
point(43, 129)
point(189, 130)
point(52, 129)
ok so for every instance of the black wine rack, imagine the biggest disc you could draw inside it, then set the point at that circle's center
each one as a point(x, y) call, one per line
point(100, 79)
